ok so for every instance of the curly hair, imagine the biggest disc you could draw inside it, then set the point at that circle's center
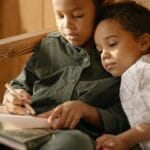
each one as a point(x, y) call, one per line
point(133, 17)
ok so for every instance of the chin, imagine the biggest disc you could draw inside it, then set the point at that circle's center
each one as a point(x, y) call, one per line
point(115, 74)
point(75, 43)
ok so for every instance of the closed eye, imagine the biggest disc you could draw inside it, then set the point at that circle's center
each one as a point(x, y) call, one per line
point(113, 44)
point(78, 16)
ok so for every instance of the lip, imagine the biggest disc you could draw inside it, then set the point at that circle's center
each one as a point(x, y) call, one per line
point(72, 36)
point(109, 66)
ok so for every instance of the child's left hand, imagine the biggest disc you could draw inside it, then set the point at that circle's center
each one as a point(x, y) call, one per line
point(110, 142)
point(66, 115)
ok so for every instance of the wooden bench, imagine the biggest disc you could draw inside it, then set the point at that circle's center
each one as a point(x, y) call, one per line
point(14, 52)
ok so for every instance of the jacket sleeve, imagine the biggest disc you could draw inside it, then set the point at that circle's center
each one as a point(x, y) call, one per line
point(27, 76)
point(113, 119)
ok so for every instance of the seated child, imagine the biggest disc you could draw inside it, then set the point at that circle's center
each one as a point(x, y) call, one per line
point(122, 38)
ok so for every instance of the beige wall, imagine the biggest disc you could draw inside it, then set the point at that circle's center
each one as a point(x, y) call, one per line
point(21, 16)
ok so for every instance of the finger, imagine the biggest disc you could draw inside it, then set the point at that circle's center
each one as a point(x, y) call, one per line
point(109, 144)
point(55, 113)
point(25, 95)
point(74, 122)
point(45, 115)
point(10, 98)
point(100, 141)
point(65, 119)
point(55, 124)
point(4, 101)
point(16, 109)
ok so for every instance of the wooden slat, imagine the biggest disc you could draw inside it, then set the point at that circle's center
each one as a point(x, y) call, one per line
point(21, 44)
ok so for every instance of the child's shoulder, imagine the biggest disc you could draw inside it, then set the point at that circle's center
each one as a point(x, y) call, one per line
point(53, 35)
point(52, 38)
point(137, 69)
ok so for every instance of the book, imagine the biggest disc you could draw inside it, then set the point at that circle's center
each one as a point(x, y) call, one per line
point(11, 122)
point(23, 132)
point(24, 139)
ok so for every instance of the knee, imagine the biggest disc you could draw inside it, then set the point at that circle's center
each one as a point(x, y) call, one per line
point(79, 139)
point(70, 140)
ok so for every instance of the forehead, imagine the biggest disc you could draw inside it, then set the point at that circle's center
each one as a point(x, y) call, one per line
point(110, 26)
point(71, 4)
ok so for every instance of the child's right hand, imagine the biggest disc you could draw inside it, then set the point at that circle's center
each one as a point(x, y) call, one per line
point(15, 105)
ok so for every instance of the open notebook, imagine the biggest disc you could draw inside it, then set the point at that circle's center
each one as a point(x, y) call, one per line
point(10, 121)
point(23, 132)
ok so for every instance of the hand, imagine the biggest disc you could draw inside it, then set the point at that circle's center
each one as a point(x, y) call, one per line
point(66, 115)
point(15, 105)
point(110, 142)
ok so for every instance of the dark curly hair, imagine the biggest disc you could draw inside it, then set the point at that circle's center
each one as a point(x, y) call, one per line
point(133, 17)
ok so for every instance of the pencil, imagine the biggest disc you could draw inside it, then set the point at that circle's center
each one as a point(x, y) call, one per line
point(11, 90)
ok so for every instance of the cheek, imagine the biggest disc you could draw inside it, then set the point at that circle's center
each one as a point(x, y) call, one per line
point(59, 23)
point(102, 60)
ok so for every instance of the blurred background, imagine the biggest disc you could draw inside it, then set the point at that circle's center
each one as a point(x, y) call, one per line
point(21, 16)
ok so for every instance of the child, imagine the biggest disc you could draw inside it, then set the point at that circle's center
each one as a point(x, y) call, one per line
point(123, 40)
point(63, 76)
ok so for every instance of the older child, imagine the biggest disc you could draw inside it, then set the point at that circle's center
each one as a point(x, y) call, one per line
point(63, 76)
point(123, 40)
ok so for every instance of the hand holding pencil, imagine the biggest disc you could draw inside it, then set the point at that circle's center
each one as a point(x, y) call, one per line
point(15, 99)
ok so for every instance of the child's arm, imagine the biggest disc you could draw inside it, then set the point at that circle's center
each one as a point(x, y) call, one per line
point(125, 140)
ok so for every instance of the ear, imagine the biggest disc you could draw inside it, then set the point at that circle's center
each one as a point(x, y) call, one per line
point(145, 42)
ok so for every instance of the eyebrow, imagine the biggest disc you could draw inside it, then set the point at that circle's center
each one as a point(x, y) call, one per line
point(111, 36)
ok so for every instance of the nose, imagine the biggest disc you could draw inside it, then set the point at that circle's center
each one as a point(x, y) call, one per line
point(68, 22)
point(105, 54)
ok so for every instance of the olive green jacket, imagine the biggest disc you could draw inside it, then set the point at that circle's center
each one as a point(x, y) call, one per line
point(58, 72)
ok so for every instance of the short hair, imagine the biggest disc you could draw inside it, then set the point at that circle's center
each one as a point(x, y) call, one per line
point(133, 17)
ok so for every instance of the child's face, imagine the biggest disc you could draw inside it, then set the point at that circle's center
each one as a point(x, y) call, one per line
point(75, 19)
point(119, 49)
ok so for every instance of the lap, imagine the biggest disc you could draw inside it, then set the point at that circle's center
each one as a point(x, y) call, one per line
point(68, 140)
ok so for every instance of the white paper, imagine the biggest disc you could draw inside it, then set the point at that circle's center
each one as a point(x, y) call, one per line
point(10, 122)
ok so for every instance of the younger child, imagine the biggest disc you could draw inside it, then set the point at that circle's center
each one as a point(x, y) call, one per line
point(123, 40)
